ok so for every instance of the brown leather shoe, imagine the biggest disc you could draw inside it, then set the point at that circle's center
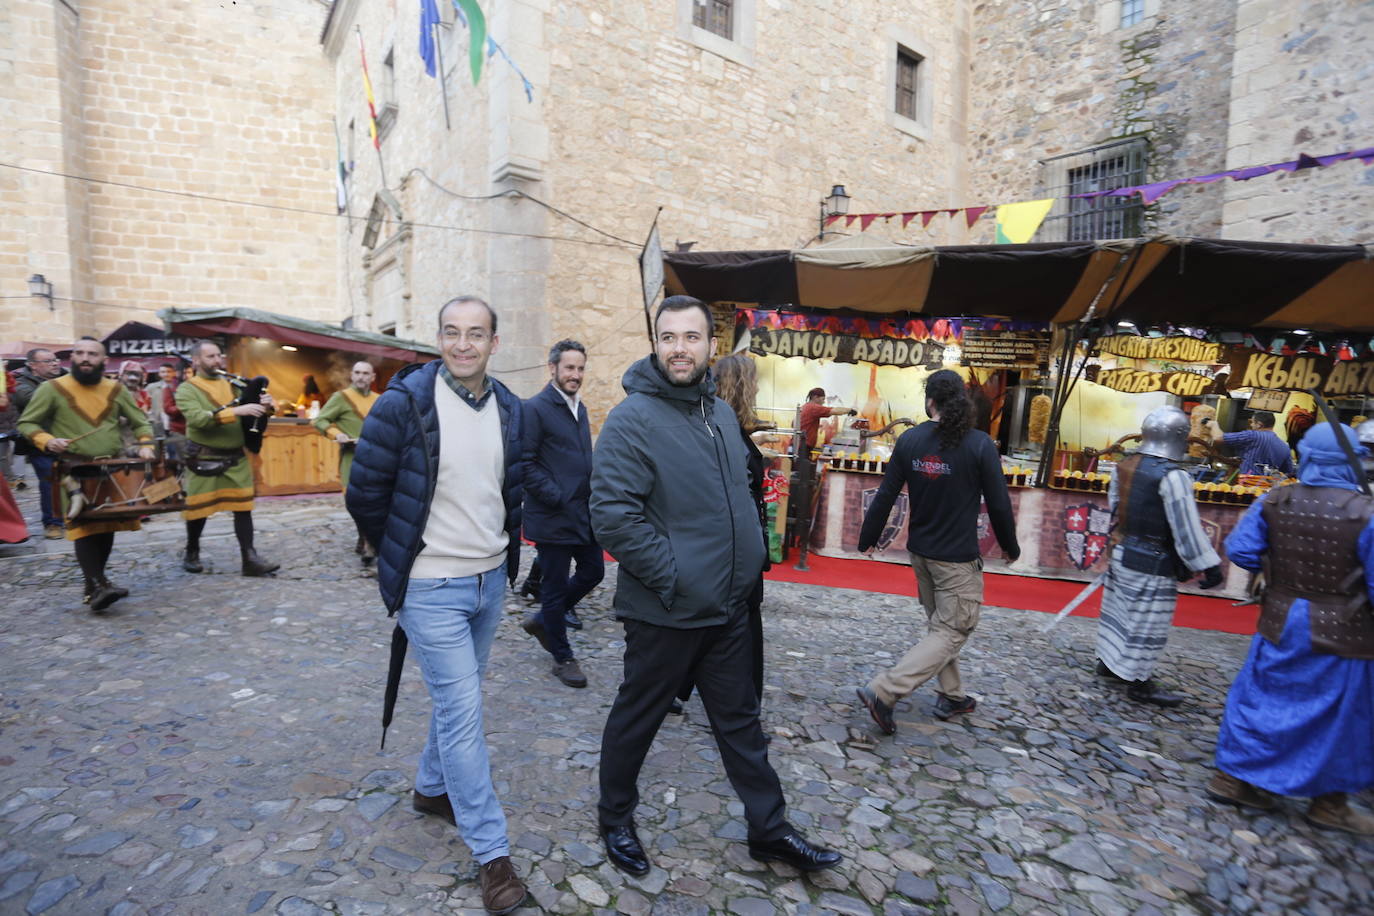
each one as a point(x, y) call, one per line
point(1227, 788)
point(438, 805)
point(1333, 811)
point(502, 889)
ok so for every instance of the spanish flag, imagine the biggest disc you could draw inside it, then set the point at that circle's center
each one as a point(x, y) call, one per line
point(371, 100)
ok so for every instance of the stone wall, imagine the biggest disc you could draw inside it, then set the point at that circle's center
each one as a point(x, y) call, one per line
point(223, 100)
point(1302, 84)
point(1060, 76)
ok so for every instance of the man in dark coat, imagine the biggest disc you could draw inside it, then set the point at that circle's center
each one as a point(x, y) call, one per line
point(435, 485)
point(671, 502)
point(558, 472)
point(40, 366)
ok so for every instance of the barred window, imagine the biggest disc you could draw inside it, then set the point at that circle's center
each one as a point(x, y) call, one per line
point(1118, 164)
point(1132, 11)
point(908, 65)
point(716, 16)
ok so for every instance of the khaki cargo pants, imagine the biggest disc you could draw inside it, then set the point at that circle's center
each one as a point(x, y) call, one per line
point(952, 594)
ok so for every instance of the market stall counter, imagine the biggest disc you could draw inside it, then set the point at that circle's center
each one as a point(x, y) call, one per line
point(1063, 533)
point(295, 458)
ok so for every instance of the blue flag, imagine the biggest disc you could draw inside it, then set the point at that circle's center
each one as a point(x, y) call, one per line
point(429, 18)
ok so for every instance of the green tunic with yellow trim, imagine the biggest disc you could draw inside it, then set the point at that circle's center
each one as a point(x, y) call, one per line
point(213, 424)
point(63, 408)
point(344, 412)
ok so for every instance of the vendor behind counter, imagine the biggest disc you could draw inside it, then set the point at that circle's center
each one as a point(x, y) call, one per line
point(815, 410)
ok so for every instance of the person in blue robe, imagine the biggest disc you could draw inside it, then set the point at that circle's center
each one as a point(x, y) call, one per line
point(1299, 718)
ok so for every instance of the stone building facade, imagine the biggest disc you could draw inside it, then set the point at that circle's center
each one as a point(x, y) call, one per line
point(1067, 94)
point(736, 140)
point(203, 100)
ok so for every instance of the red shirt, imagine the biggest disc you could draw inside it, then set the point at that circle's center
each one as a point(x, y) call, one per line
point(811, 415)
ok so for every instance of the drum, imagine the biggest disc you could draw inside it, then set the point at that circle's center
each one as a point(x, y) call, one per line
point(119, 488)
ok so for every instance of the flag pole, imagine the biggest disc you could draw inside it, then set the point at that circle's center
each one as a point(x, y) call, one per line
point(443, 85)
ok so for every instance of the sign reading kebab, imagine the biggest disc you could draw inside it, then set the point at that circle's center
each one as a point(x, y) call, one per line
point(1247, 368)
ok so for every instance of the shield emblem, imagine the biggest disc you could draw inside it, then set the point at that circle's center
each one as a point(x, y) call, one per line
point(1087, 528)
point(896, 519)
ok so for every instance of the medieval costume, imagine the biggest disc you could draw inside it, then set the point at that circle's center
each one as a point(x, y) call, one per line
point(1300, 716)
point(1159, 541)
point(220, 477)
point(89, 416)
point(343, 414)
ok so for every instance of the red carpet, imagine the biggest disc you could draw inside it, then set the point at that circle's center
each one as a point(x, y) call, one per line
point(1001, 590)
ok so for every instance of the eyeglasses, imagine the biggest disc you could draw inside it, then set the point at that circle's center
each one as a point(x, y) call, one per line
point(474, 336)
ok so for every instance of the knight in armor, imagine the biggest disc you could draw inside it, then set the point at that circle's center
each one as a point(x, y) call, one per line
point(1299, 718)
point(1158, 541)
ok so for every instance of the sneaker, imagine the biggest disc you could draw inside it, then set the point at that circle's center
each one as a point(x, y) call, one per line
point(880, 711)
point(54, 532)
point(570, 673)
point(947, 707)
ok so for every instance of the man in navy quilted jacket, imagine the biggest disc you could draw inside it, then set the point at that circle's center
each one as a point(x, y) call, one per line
point(558, 474)
point(435, 486)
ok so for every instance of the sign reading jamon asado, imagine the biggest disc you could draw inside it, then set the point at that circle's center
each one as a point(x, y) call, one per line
point(842, 348)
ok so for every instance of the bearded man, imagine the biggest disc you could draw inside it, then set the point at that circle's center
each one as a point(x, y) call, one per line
point(341, 419)
point(78, 416)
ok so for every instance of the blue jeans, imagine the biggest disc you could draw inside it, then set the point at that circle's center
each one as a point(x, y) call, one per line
point(451, 624)
point(42, 469)
point(558, 594)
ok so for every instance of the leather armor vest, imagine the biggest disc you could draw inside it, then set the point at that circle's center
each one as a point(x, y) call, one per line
point(1312, 536)
point(1142, 527)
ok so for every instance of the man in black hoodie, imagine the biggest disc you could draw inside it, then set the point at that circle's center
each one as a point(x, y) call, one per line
point(671, 502)
point(949, 469)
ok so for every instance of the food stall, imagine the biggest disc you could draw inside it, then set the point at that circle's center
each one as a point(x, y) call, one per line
point(1049, 335)
point(288, 351)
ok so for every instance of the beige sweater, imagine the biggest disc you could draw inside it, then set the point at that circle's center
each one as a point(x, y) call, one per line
point(465, 534)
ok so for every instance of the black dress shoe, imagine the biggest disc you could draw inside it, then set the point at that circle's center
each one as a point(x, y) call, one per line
point(190, 561)
point(1147, 691)
point(794, 849)
point(1104, 671)
point(571, 621)
point(438, 805)
point(623, 849)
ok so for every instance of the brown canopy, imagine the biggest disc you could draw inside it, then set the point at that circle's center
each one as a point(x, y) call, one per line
point(1212, 282)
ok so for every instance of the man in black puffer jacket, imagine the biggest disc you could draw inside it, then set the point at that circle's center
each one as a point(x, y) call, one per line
point(671, 502)
point(435, 485)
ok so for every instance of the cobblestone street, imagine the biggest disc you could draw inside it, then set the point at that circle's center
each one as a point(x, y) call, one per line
point(211, 746)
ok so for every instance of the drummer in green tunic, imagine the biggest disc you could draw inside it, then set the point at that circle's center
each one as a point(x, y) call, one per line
point(220, 477)
point(341, 419)
point(76, 416)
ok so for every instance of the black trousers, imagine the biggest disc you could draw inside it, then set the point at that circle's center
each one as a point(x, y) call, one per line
point(719, 660)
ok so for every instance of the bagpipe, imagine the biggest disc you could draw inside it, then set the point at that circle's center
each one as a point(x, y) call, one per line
point(250, 392)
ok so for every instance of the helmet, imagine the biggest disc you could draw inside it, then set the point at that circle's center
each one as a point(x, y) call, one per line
point(1365, 433)
point(1165, 433)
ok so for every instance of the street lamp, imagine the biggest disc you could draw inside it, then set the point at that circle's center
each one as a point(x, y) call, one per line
point(837, 204)
point(40, 288)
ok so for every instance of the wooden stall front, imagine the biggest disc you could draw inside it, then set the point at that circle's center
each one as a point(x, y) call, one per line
point(295, 456)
